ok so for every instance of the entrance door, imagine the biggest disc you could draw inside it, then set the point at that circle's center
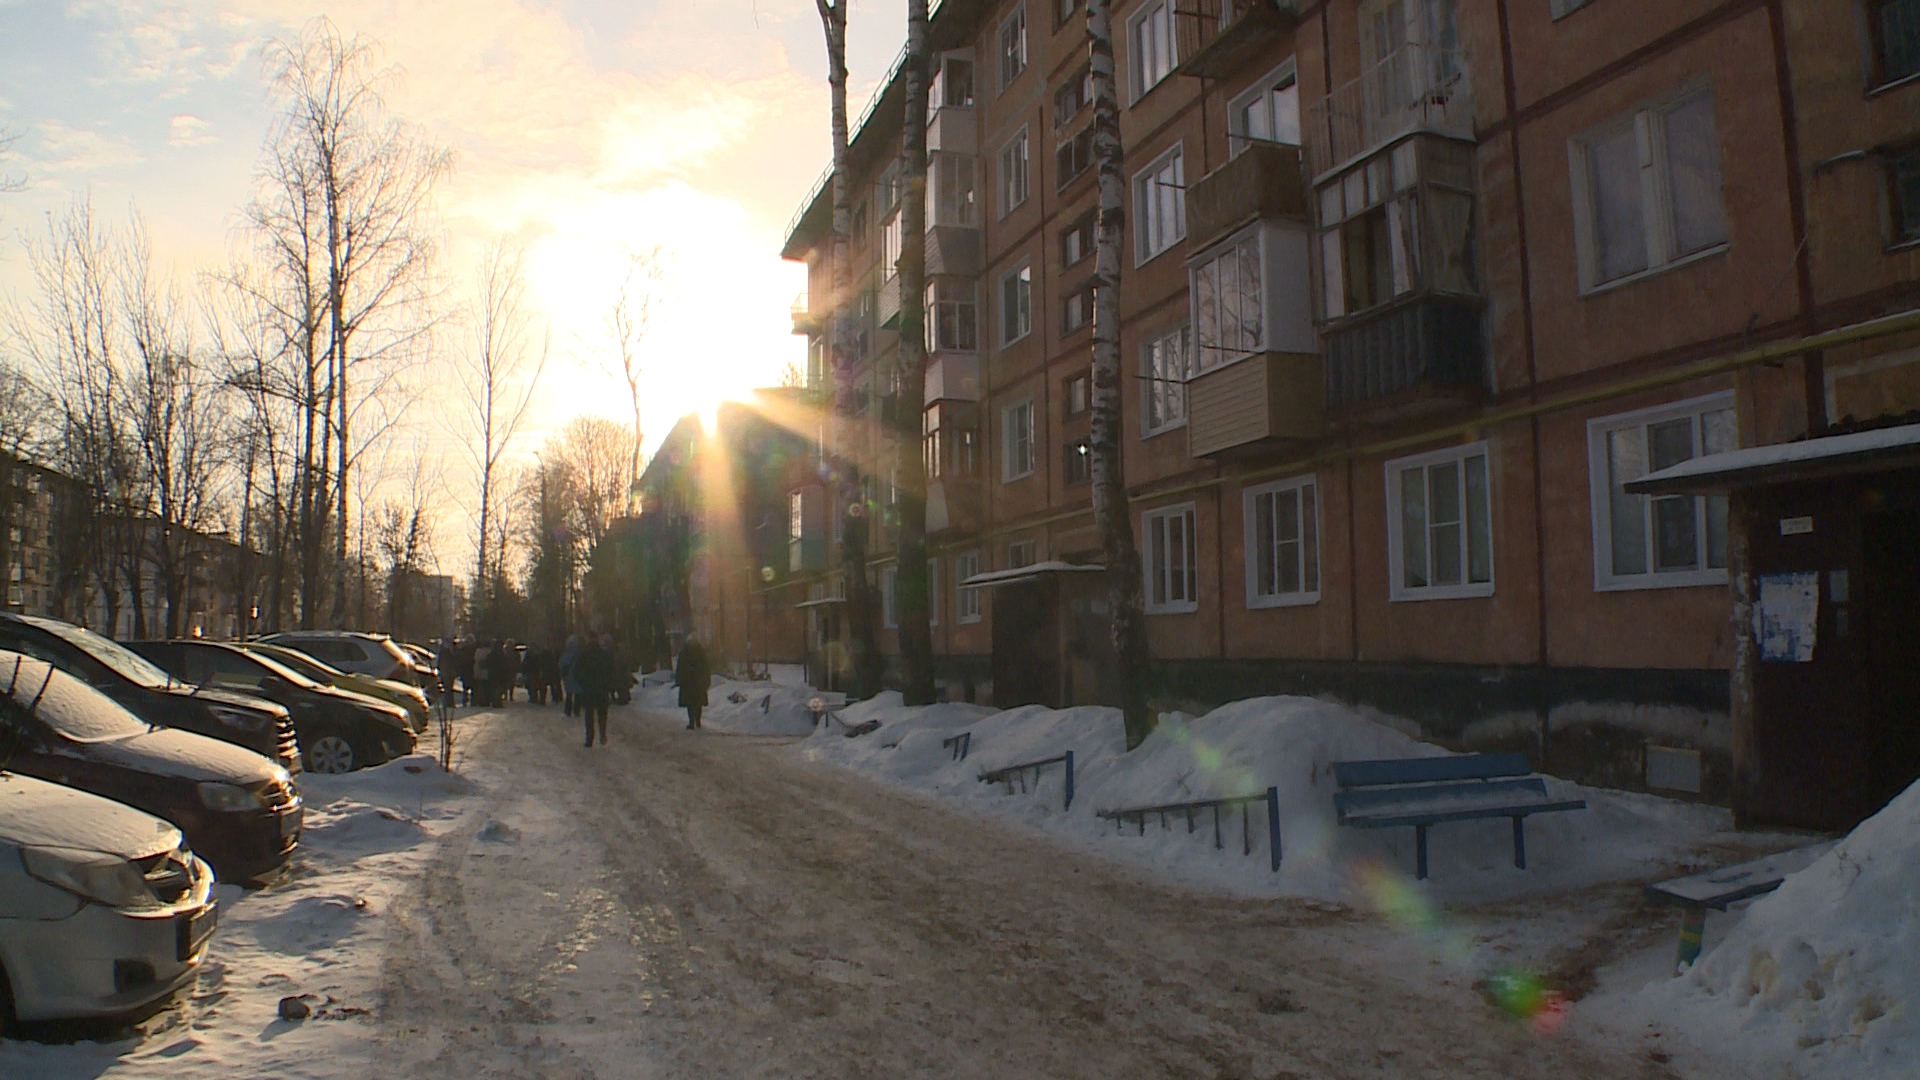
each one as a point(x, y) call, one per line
point(1890, 632)
point(1026, 644)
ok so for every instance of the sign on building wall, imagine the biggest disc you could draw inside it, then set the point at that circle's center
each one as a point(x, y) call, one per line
point(1788, 616)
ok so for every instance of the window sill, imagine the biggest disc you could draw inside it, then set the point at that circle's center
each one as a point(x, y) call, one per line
point(1257, 603)
point(1140, 261)
point(1896, 84)
point(1902, 245)
point(970, 620)
point(1159, 431)
point(1017, 477)
point(1652, 271)
point(1682, 579)
point(1172, 609)
point(1441, 592)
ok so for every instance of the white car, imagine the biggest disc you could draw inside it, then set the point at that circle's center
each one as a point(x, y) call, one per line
point(350, 650)
point(103, 909)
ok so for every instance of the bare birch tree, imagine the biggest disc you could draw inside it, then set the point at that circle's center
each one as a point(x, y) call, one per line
point(1112, 514)
point(636, 308)
point(912, 602)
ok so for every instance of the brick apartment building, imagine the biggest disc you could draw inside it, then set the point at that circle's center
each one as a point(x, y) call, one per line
point(1412, 291)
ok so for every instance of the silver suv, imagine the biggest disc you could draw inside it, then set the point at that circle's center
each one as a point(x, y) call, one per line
point(350, 650)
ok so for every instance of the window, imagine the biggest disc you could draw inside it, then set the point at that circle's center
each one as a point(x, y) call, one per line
point(1021, 553)
point(1072, 158)
point(952, 84)
point(1229, 304)
point(1076, 394)
point(1903, 172)
point(951, 316)
point(1013, 47)
point(1076, 463)
point(1163, 363)
point(1283, 543)
point(1400, 221)
point(1063, 10)
point(1076, 308)
point(1655, 541)
point(1072, 96)
point(1016, 441)
point(1269, 112)
point(950, 195)
point(1150, 33)
point(859, 225)
point(891, 235)
point(966, 602)
point(1173, 566)
point(1159, 206)
point(1440, 525)
point(1016, 305)
point(1013, 173)
point(1647, 191)
point(1076, 241)
point(1894, 27)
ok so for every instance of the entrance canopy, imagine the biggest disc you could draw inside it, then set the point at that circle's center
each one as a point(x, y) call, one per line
point(1027, 573)
point(1880, 450)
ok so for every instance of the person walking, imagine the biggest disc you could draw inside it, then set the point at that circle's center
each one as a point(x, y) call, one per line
point(694, 674)
point(593, 670)
point(569, 686)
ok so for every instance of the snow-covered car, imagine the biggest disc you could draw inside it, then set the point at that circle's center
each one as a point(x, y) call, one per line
point(104, 910)
point(350, 650)
point(239, 810)
point(406, 695)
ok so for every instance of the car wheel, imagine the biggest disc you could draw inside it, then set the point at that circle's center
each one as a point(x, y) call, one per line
point(331, 754)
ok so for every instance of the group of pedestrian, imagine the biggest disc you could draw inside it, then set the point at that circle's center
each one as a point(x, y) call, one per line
point(586, 676)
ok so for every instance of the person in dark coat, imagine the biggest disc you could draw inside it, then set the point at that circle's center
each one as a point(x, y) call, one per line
point(593, 671)
point(694, 674)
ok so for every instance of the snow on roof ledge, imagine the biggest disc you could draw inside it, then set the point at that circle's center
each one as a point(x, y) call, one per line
point(1027, 573)
point(1862, 451)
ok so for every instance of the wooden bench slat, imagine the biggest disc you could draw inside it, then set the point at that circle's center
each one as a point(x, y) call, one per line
point(1354, 774)
point(1439, 797)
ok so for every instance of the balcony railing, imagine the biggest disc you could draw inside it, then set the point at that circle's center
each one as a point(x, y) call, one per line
point(1430, 348)
point(1214, 37)
point(1261, 182)
point(1415, 88)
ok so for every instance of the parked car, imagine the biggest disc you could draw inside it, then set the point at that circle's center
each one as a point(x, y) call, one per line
point(406, 695)
point(350, 650)
point(151, 693)
point(426, 664)
point(238, 810)
point(104, 909)
point(339, 731)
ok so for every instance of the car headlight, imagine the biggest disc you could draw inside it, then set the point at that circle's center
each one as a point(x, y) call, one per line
point(91, 875)
point(242, 719)
point(228, 798)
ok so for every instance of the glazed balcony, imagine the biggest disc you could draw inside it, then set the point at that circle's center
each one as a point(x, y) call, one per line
point(1262, 181)
point(1419, 354)
point(1256, 403)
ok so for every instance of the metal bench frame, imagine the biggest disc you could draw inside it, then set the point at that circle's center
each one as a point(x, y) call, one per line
point(1012, 774)
point(1369, 790)
point(1271, 797)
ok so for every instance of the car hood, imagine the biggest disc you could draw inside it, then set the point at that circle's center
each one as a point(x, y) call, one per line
point(35, 812)
point(367, 701)
point(231, 698)
point(171, 752)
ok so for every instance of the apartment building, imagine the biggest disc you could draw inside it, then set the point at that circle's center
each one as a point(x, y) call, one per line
point(1414, 291)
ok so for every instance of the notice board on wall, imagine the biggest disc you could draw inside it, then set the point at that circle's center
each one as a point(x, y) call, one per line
point(1786, 621)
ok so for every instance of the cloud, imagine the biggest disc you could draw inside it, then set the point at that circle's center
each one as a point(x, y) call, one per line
point(64, 149)
point(186, 129)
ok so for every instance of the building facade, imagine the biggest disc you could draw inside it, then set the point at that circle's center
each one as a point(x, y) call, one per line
point(1412, 291)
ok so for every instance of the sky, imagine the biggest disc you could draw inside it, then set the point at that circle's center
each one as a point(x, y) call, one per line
point(583, 130)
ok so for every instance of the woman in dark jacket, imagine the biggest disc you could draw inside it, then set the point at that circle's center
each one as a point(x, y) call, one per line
point(693, 674)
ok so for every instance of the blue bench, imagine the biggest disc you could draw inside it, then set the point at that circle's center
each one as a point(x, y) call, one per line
point(1423, 792)
point(1718, 888)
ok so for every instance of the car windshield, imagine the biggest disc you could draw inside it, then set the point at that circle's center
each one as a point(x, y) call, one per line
point(65, 704)
point(275, 667)
point(119, 659)
point(297, 660)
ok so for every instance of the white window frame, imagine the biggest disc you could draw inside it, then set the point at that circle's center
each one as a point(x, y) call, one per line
point(1014, 177)
point(1278, 79)
point(1600, 487)
point(1150, 552)
point(1306, 490)
point(1138, 73)
point(1016, 430)
point(1012, 61)
point(1025, 312)
point(1149, 380)
point(1144, 236)
point(1199, 353)
point(966, 601)
point(1397, 589)
point(1648, 124)
point(1029, 553)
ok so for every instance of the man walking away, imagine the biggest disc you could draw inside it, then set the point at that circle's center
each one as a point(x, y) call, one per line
point(569, 686)
point(593, 670)
point(693, 674)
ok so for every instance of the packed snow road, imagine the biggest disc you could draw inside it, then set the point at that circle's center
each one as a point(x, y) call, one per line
point(698, 905)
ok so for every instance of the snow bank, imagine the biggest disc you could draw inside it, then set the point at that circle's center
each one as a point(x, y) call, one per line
point(765, 707)
point(1825, 970)
point(1289, 743)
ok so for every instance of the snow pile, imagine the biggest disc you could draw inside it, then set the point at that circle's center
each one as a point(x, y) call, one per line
point(764, 707)
point(1825, 965)
point(1243, 748)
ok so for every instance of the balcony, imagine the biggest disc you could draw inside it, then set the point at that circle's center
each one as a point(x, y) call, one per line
point(1416, 88)
point(953, 376)
point(1266, 400)
point(805, 320)
point(1216, 37)
point(887, 304)
point(953, 250)
point(1426, 352)
point(953, 506)
point(951, 130)
point(1263, 181)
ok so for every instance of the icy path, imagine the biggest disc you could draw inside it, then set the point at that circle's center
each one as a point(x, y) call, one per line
point(705, 906)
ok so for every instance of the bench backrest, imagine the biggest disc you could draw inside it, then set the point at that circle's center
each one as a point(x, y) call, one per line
point(1430, 770)
point(1496, 791)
